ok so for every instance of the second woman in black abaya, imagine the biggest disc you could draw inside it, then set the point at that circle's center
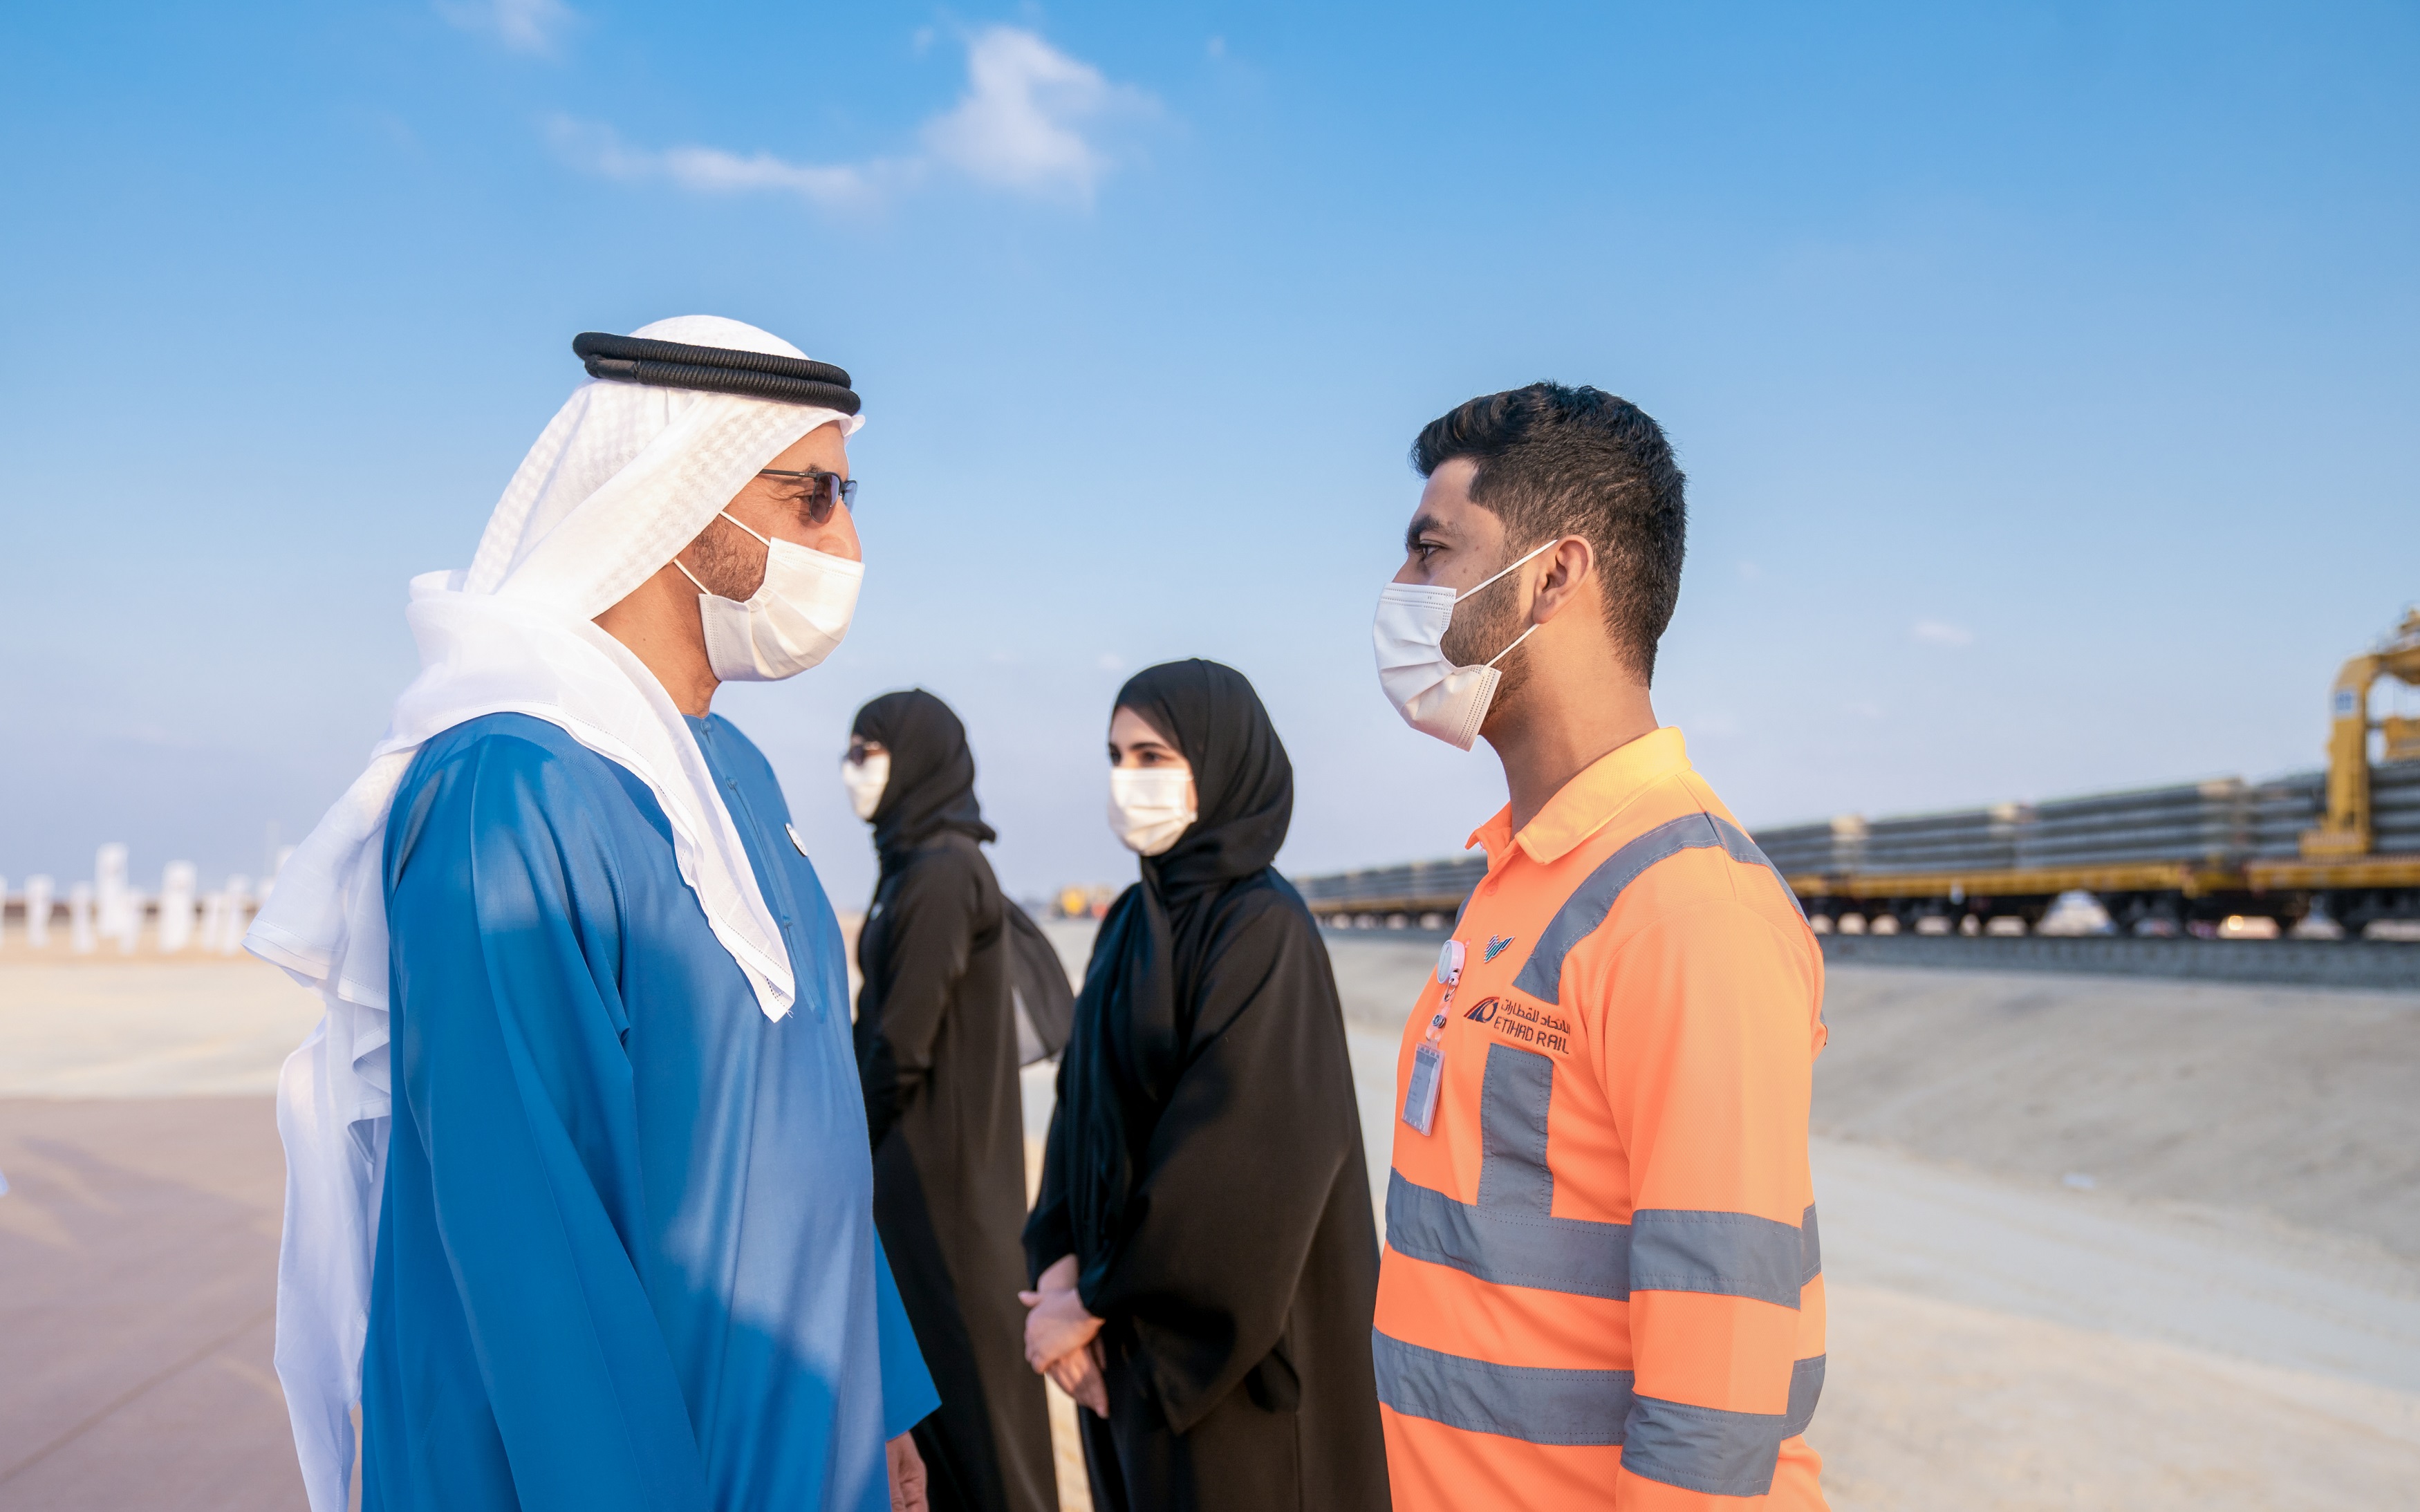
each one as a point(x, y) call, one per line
point(938, 1054)
point(1205, 1168)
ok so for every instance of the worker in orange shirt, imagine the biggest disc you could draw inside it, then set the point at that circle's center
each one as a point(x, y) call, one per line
point(1601, 1286)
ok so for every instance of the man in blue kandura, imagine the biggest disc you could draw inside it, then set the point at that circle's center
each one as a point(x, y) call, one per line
point(578, 1204)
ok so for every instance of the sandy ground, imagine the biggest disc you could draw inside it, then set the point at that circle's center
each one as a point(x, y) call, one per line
point(2301, 1105)
point(2227, 1317)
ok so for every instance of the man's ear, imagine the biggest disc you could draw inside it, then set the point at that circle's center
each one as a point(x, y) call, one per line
point(1568, 569)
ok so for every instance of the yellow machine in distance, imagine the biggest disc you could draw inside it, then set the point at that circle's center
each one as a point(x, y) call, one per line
point(2345, 832)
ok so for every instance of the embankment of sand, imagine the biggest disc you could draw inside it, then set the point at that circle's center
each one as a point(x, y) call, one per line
point(2295, 1105)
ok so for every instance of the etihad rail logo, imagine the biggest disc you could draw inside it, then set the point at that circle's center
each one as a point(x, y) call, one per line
point(1497, 945)
point(1523, 1024)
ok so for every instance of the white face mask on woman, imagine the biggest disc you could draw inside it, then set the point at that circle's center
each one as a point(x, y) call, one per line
point(1150, 807)
point(796, 618)
point(1434, 696)
point(865, 781)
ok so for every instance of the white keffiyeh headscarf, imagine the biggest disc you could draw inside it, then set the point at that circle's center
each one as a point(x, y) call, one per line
point(622, 479)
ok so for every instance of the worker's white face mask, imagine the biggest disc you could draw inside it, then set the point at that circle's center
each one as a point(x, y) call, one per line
point(796, 618)
point(865, 781)
point(1434, 696)
point(1150, 806)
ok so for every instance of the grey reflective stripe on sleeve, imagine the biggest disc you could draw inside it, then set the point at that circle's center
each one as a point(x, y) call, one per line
point(1741, 849)
point(1524, 1402)
point(1510, 1248)
point(1512, 1102)
point(1542, 975)
point(1724, 1253)
point(1806, 1389)
point(1703, 1448)
point(1811, 1249)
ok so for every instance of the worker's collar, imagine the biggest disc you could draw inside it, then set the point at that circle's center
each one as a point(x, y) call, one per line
point(1588, 802)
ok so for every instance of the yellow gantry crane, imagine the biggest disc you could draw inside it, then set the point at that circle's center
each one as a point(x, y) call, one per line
point(2345, 832)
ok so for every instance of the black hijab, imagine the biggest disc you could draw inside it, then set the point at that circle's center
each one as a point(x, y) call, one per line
point(1133, 1022)
point(932, 784)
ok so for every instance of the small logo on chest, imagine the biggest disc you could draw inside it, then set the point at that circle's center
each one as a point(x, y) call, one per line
point(1523, 1024)
point(1497, 945)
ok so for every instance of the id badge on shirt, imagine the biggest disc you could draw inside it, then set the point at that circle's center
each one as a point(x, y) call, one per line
point(1421, 1101)
point(1428, 1056)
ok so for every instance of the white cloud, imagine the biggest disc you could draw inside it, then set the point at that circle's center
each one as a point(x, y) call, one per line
point(1021, 125)
point(1942, 633)
point(532, 26)
point(707, 170)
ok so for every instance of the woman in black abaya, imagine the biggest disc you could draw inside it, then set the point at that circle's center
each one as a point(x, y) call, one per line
point(1205, 1255)
point(936, 1052)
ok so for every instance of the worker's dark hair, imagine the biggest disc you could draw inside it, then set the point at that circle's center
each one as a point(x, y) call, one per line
point(1556, 462)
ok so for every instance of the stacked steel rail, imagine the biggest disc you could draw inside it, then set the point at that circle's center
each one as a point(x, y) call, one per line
point(1408, 896)
point(2155, 857)
point(2174, 855)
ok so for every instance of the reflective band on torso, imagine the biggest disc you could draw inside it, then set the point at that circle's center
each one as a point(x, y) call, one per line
point(1574, 1255)
point(1723, 1253)
point(1518, 1088)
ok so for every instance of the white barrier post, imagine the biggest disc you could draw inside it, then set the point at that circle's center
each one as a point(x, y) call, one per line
point(176, 906)
point(38, 913)
point(236, 919)
point(214, 919)
point(80, 918)
point(114, 914)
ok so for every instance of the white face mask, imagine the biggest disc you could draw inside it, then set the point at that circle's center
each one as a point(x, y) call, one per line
point(865, 781)
point(1150, 806)
point(794, 619)
point(1434, 696)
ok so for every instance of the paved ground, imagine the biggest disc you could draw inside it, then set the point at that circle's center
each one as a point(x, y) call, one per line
point(1932, 1405)
point(1999, 1340)
point(146, 1027)
point(138, 1263)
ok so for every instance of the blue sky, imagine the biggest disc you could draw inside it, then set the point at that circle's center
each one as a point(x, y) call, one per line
point(2045, 373)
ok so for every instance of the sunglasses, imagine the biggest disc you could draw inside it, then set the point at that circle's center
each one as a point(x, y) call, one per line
point(823, 490)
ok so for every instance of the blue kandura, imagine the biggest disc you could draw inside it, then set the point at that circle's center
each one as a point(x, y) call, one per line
point(626, 1254)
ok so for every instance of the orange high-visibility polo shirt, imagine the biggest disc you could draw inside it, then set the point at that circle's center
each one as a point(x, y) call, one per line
point(1601, 1286)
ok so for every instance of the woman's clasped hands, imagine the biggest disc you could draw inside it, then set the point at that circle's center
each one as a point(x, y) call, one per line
point(1061, 1338)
